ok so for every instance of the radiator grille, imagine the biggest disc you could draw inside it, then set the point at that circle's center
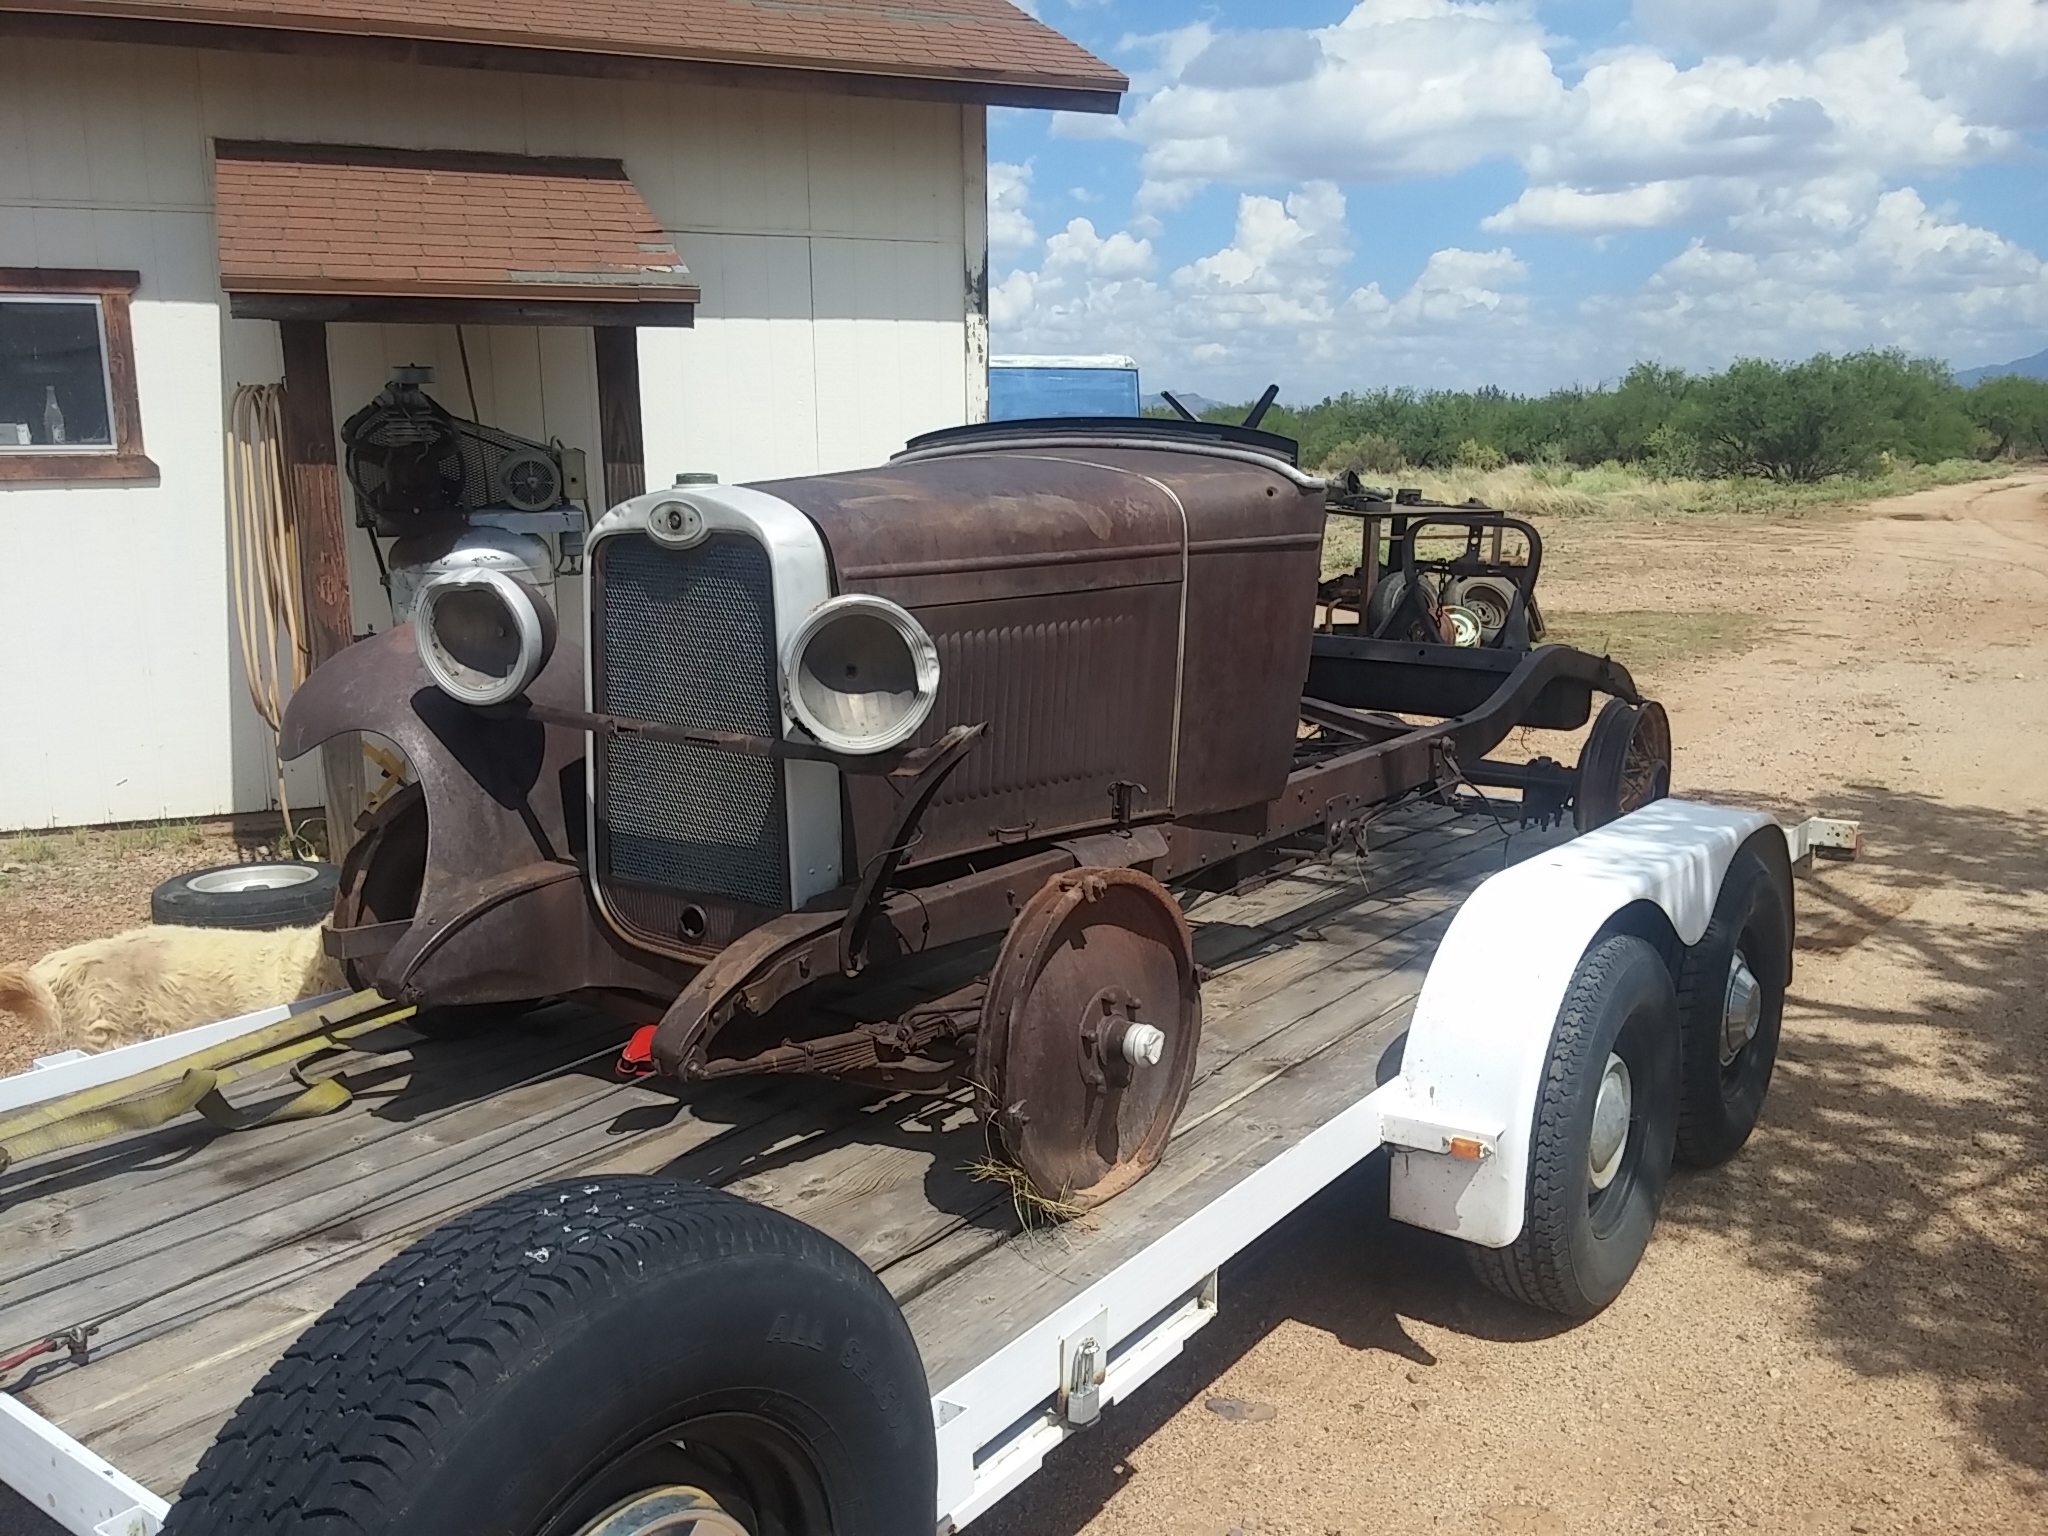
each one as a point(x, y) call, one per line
point(687, 637)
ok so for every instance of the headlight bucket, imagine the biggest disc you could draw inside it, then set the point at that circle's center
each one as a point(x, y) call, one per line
point(483, 635)
point(860, 674)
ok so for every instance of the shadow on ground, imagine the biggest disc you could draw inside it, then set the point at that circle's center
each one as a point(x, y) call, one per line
point(1900, 1175)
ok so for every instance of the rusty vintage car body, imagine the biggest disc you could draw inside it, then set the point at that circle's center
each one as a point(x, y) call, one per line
point(982, 706)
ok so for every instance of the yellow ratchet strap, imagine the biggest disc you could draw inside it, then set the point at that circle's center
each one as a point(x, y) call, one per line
point(145, 1100)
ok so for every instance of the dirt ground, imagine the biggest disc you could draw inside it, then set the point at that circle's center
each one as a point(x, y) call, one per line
point(62, 888)
point(1841, 1331)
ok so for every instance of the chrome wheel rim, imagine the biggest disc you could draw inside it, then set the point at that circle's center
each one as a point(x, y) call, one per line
point(1612, 1107)
point(253, 877)
point(1742, 1009)
point(673, 1511)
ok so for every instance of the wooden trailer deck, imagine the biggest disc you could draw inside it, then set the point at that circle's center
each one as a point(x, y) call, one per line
point(200, 1256)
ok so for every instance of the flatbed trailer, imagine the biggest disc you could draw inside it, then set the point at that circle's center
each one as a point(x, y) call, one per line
point(185, 1262)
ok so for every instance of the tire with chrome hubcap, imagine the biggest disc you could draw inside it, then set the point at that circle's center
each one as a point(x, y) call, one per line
point(1600, 1146)
point(610, 1356)
point(1731, 1001)
point(281, 893)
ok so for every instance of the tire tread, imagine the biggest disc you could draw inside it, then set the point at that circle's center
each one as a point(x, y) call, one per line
point(1536, 1268)
point(397, 1355)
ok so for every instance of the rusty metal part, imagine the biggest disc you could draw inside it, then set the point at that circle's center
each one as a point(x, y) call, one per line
point(467, 888)
point(886, 1051)
point(765, 965)
point(769, 963)
point(1116, 615)
point(500, 792)
point(1547, 787)
point(1358, 725)
point(379, 890)
point(903, 760)
point(1080, 1099)
point(1625, 764)
point(1413, 678)
point(925, 780)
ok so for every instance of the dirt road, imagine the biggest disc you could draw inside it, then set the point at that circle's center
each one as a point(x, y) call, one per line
point(1843, 1330)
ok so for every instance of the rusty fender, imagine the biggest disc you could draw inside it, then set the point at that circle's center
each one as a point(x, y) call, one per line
point(503, 912)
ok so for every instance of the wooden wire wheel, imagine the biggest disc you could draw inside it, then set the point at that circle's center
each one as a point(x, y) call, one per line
point(1626, 763)
point(1096, 958)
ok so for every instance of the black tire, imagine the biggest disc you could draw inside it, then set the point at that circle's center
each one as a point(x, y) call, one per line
point(1490, 597)
point(1386, 597)
point(1625, 764)
point(1579, 1244)
point(527, 1366)
point(281, 893)
point(1721, 1095)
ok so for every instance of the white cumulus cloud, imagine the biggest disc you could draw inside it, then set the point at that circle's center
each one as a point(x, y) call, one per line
point(1790, 146)
point(1009, 191)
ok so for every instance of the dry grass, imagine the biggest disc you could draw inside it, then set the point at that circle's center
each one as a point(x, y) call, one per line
point(1033, 1209)
point(1646, 640)
point(1539, 490)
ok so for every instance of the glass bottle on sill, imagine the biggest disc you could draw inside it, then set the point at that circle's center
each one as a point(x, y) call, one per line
point(53, 415)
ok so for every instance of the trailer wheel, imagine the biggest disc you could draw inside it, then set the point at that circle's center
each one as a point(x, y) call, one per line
point(1731, 1004)
point(608, 1356)
point(1600, 1148)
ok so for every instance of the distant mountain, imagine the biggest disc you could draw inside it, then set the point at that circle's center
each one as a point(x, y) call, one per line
point(1195, 403)
point(2035, 367)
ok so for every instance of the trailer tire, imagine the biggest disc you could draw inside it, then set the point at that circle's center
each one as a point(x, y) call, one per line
point(1723, 1079)
point(1582, 1239)
point(533, 1363)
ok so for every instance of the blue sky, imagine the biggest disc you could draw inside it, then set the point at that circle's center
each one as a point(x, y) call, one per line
point(1528, 193)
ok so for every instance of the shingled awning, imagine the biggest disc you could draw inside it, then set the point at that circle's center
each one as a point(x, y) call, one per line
point(342, 232)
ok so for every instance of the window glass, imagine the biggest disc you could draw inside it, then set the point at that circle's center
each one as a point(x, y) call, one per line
point(53, 375)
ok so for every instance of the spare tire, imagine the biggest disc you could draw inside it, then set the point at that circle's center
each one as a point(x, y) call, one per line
point(284, 893)
point(610, 1343)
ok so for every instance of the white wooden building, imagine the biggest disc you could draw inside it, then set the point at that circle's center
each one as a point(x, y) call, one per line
point(820, 170)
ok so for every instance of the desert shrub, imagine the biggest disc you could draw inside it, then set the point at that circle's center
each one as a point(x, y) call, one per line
point(1473, 454)
point(2012, 413)
point(1373, 454)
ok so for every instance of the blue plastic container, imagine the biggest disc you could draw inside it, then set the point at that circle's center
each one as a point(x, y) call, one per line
point(1021, 388)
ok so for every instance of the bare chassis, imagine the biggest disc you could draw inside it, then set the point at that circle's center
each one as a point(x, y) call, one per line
point(1349, 763)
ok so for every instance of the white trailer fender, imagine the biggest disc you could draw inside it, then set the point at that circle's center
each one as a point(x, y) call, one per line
point(1460, 1121)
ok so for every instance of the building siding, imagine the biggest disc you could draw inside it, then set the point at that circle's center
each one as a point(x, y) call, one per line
point(832, 237)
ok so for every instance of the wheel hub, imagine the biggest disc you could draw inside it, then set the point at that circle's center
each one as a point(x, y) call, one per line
point(1088, 1038)
point(1610, 1123)
point(675, 1511)
point(1742, 1008)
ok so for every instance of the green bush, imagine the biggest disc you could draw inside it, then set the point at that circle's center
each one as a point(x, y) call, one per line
point(1373, 454)
point(1793, 423)
point(2012, 413)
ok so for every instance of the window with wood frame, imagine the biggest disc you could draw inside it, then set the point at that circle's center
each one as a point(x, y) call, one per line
point(67, 377)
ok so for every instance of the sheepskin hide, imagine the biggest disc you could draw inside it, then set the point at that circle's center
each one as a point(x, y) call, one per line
point(152, 981)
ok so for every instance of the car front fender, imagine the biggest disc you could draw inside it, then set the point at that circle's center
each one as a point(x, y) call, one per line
point(501, 792)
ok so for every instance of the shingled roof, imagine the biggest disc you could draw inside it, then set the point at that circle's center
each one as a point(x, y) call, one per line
point(974, 50)
point(333, 219)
